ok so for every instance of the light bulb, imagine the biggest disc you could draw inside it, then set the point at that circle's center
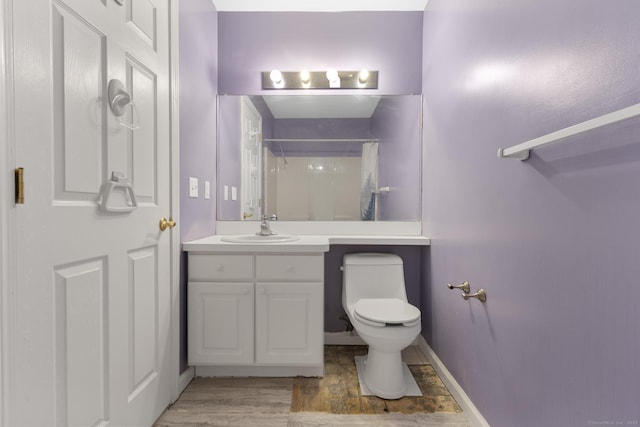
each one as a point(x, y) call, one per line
point(276, 76)
point(332, 75)
point(363, 76)
point(305, 76)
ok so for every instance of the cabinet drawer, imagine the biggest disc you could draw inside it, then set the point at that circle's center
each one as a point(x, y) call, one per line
point(220, 267)
point(290, 267)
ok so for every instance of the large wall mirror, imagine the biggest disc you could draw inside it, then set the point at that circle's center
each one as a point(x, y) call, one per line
point(319, 157)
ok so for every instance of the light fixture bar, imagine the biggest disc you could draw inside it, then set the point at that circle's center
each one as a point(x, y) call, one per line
point(278, 80)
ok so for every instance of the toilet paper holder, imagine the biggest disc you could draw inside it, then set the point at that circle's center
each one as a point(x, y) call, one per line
point(480, 294)
point(464, 287)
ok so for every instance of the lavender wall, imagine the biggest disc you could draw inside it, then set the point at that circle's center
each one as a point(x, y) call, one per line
point(554, 240)
point(319, 129)
point(230, 165)
point(395, 124)
point(198, 89)
point(252, 42)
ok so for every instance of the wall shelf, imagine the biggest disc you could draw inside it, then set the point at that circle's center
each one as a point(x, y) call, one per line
point(521, 151)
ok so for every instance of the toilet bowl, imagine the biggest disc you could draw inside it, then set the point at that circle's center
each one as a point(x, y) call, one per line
point(375, 299)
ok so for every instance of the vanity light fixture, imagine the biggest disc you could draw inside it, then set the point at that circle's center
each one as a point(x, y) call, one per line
point(328, 79)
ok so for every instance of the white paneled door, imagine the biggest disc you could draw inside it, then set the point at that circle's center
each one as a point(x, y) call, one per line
point(251, 179)
point(90, 343)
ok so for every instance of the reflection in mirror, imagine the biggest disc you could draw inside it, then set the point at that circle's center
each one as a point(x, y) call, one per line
point(319, 157)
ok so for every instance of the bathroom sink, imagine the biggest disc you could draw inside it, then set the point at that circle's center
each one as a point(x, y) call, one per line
point(256, 238)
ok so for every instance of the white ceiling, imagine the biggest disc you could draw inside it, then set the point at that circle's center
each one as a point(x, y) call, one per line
point(317, 5)
point(323, 107)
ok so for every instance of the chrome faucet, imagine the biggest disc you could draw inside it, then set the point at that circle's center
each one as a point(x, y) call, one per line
point(265, 229)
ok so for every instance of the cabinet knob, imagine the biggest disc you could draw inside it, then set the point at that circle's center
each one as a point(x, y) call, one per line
point(219, 267)
point(290, 268)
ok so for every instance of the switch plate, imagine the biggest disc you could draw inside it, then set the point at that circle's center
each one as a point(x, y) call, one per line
point(234, 193)
point(207, 190)
point(193, 187)
point(226, 192)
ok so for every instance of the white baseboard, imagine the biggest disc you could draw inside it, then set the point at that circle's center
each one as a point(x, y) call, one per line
point(259, 371)
point(450, 382)
point(184, 380)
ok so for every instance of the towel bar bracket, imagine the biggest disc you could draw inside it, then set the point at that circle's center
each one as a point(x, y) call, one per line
point(520, 155)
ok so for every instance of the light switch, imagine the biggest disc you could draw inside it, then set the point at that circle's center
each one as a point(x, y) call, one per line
point(226, 192)
point(193, 187)
point(234, 193)
point(207, 190)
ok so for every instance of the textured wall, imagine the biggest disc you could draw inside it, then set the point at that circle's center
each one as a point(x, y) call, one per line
point(356, 128)
point(252, 42)
point(230, 163)
point(396, 122)
point(198, 90)
point(554, 240)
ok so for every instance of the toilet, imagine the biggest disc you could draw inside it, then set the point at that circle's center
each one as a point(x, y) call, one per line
point(375, 299)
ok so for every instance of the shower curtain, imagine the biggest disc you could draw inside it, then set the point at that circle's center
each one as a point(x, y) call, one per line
point(369, 181)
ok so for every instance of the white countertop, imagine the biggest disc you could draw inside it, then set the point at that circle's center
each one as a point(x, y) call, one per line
point(302, 244)
point(378, 240)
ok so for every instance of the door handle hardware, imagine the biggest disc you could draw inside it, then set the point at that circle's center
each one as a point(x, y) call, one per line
point(119, 98)
point(166, 223)
point(117, 181)
point(464, 287)
point(480, 294)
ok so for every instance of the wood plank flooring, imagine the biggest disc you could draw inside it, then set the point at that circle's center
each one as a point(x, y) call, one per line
point(333, 400)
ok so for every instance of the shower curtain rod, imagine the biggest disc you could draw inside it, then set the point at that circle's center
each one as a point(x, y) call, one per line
point(320, 139)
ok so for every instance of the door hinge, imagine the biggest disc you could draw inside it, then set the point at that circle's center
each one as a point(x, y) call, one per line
point(19, 186)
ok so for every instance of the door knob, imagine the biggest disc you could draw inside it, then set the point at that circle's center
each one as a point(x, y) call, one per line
point(166, 223)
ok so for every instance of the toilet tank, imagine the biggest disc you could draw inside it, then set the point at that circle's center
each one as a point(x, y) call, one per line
point(371, 275)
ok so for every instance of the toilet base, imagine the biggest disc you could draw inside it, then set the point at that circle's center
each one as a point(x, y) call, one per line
point(383, 374)
point(412, 386)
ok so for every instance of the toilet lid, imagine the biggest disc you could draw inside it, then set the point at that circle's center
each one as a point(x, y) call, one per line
point(386, 310)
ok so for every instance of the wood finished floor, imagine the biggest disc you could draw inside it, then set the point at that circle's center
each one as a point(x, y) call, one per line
point(333, 400)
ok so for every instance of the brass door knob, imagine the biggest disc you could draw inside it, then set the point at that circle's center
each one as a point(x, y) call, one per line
point(246, 215)
point(166, 223)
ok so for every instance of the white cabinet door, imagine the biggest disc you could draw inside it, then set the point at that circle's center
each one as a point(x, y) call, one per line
point(220, 323)
point(289, 323)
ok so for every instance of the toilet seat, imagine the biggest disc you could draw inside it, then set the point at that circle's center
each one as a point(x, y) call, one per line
point(384, 311)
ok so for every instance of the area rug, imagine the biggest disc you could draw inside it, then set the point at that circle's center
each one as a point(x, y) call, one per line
point(338, 392)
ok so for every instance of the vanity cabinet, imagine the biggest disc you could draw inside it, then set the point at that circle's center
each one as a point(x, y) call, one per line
point(250, 312)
